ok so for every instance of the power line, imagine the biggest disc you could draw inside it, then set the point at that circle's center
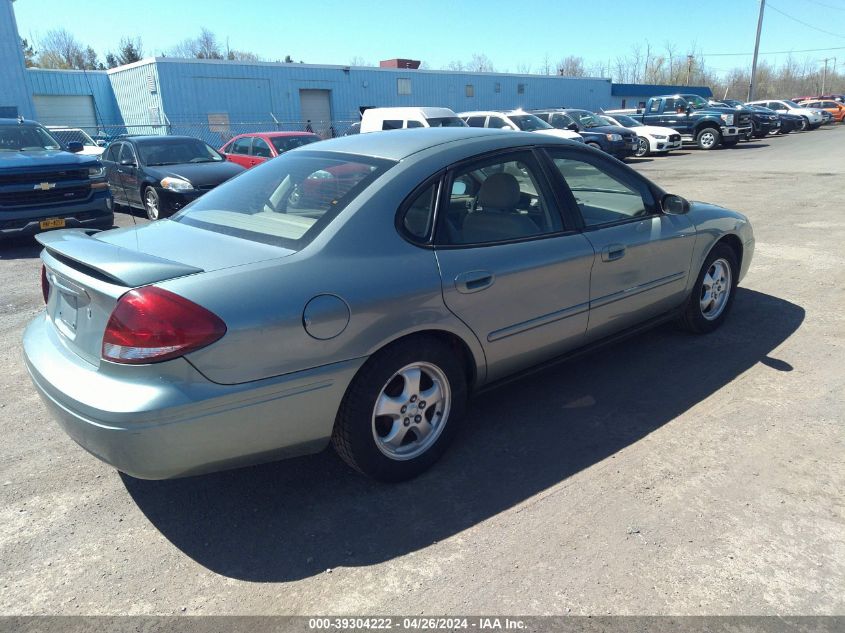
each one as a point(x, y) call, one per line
point(826, 6)
point(805, 50)
point(809, 26)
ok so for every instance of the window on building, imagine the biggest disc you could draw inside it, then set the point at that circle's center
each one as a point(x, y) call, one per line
point(470, 91)
point(403, 86)
point(497, 87)
point(520, 89)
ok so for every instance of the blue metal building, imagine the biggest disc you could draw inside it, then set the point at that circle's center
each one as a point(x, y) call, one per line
point(15, 96)
point(632, 95)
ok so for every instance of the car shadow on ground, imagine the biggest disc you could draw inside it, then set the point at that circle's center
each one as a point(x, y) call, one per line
point(757, 143)
point(294, 519)
point(19, 248)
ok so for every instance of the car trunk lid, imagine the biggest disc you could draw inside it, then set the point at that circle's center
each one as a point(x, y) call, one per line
point(88, 272)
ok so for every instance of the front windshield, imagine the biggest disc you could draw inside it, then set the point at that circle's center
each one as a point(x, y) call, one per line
point(286, 201)
point(696, 102)
point(177, 152)
point(287, 143)
point(70, 136)
point(529, 122)
point(624, 121)
point(587, 119)
point(446, 121)
point(26, 138)
point(792, 104)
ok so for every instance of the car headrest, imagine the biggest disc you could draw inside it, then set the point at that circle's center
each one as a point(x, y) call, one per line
point(500, 191)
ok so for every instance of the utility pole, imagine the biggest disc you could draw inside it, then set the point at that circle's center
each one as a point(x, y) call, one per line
point(756, 50)
point(689, 68)
point(824, 76)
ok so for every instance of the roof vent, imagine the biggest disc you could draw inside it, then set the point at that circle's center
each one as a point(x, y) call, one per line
point(151, 83)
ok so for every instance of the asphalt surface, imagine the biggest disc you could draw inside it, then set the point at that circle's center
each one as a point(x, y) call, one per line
point(669, 474)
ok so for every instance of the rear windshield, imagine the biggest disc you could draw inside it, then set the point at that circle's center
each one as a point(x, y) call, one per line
point(176, 152)
point(287, 201)
point(22, 138)
point(286, 143)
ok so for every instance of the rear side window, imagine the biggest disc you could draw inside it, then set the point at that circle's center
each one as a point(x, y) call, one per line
point(414, 124)
point(286, 201)
point(418, 215)
point(391, 124)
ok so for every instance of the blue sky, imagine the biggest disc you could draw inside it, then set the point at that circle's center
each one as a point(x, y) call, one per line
point(512, 34)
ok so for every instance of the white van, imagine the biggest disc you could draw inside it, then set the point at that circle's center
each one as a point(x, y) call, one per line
point(378, 119)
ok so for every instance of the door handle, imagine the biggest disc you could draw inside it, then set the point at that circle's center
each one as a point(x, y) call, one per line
point(474, 281)
point(612, 252)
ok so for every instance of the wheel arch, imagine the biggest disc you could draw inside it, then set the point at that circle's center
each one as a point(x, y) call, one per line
point(472, 360)
point(734, 243)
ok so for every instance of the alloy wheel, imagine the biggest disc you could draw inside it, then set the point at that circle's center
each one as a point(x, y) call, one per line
point(715, 289)
point(411, 411)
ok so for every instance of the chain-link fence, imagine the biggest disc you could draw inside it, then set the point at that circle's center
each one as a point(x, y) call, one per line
point(215, 132)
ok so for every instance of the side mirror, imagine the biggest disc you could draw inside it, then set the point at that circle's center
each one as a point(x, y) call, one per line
point(674, 205)
point(100, 142)
point(459, 188)
point(74, 147)
point(689, 108)
point(128, 162)
point(573, 127)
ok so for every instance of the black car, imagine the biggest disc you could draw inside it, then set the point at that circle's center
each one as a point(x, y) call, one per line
point(789, 123)
point(764, 121)
point(616, 141)
point(161, 174)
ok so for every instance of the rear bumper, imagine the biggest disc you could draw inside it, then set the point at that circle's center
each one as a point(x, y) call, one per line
point(96, 212)
point(167, 420)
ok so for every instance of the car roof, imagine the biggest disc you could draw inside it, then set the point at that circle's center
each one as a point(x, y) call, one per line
point(18, 122)
point(426, 111)
point(160, 139)
point(273, 134)
point(399, 144)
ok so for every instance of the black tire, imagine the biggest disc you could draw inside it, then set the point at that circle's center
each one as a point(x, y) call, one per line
point(805, 124)
point(693, 318)
point(593, 144)
point(643, 147)
point(356, 426)
point(148, 197)
point(730, 142)
point(708, 138)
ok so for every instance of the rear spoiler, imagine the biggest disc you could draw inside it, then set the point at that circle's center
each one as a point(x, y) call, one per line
point(81, 249)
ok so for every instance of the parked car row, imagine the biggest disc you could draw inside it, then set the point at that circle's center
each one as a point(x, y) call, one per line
point(162, 174)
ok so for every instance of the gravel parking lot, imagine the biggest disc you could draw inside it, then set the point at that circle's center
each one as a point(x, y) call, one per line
point(668, 474)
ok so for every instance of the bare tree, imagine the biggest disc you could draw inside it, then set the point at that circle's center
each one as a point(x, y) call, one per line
point(480, 63)
point(546, 67)
point(60, 49)
point(571, 66)
point(523, 69)
point(29, 53)
point(204, 46)
point(360, 61)
point(455, 64)
point(128, 51)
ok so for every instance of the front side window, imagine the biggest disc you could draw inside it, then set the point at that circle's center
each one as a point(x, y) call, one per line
point(112, 152)
point(286, 201)
point(177, 151)
point(499, 199)
point(655, 106)
point(476, 121)
point(561, 121)
point(127, 156)
point(601, 197)
point(391, 124)
point(497, 122)
point(445, 121)
point(23, 138)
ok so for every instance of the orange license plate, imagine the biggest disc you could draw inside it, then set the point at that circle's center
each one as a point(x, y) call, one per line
point(53, 223)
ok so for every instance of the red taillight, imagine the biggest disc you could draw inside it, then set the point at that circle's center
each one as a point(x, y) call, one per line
point(150, 325)
point(45, 285)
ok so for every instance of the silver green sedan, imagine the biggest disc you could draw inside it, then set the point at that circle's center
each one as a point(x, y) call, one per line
point(357, 292)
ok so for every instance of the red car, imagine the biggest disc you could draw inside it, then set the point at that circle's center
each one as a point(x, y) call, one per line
point(248, 150)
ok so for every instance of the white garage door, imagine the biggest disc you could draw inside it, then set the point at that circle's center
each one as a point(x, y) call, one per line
point(72, 110)
point(315, 106)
